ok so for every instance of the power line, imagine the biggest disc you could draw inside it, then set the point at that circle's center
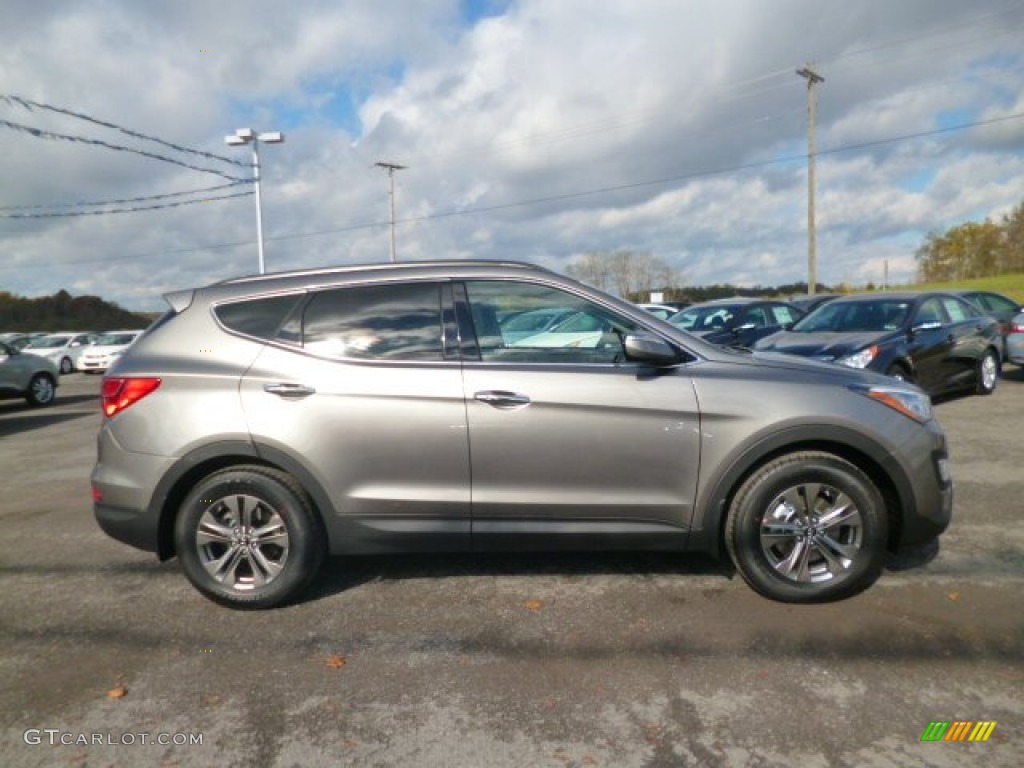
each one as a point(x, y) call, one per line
point(552, 198)
point(39, 133)
point(30, 105)
point(133, 209)
point(82, 204)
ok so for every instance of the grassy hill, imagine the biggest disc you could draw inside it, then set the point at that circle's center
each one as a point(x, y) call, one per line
point(1008, 285)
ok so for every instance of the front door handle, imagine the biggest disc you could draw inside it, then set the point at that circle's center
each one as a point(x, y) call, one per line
point(501, 399)
point(289, 391)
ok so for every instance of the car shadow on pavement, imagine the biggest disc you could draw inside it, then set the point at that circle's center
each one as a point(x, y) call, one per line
point(344, 573)
point(908, 558)
point(34, 419)
point(1014, 373)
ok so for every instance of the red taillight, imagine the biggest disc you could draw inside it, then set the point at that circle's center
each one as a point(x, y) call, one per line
point(120, 392)
point(1016, 327)
point(97, 494)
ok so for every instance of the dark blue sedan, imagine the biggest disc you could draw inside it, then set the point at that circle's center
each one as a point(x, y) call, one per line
point(737, 322)
point(935, 340)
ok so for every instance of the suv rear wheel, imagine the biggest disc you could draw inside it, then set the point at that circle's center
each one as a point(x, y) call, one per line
point(807, 527)
point(248, 537)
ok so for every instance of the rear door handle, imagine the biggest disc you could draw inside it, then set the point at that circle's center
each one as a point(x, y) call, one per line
point(501, 399)
point(289, 391)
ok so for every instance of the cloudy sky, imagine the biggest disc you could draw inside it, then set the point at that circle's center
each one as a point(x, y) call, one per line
point(532, 129)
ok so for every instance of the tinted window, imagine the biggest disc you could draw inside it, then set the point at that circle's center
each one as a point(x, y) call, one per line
point(929, 312)
point(376, 322)
point(757, 315)
point(257, 317)
point(994, 302)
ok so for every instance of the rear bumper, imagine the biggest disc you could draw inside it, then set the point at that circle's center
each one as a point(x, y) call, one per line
point(124, 482)
point(129, 526)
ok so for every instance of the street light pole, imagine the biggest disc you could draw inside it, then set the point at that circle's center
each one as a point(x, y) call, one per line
point(248, 136)
point(391, 168)
point(813, 78)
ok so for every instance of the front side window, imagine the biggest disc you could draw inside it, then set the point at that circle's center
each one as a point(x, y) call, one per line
point(583, 332)
point(930, 311)
point(398, 321)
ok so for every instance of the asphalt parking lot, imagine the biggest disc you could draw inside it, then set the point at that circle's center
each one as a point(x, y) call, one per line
point(542, 660)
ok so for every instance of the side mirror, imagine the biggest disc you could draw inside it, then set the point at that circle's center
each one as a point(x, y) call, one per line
point(645, 348)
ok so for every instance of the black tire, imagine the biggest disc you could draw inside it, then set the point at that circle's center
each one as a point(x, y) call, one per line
point(42, 390)
point(899, 372)
point(267, 570)
point(986, 374)
point(65, 365)
point(767, 530)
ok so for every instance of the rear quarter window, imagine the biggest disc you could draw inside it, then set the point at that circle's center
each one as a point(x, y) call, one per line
point(257, 317)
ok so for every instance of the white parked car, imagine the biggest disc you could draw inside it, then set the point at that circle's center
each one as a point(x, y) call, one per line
point(63, 348)
point(107, 348)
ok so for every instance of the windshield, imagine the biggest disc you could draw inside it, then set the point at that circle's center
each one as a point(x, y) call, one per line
point(706, 318)
point(48, 342)
point(856, 316)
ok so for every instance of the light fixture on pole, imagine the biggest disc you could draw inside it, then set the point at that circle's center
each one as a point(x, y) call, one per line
point(249, 136)
point(391, 168)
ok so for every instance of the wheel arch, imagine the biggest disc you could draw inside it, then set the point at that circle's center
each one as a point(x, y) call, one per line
point(188, 470)
point(708, 531)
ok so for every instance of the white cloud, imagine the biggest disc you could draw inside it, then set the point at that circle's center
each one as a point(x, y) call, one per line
point(550, 128)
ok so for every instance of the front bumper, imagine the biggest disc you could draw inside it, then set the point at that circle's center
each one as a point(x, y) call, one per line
point(928, 502)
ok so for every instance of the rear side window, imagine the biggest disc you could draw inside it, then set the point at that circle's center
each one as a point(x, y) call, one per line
point(376, 322)
point(257, 317)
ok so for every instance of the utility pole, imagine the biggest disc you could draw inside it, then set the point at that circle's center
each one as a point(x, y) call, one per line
point(813, 78)
point(391, 168)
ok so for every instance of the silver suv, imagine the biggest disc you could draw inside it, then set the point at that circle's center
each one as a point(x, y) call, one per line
point(266, 422)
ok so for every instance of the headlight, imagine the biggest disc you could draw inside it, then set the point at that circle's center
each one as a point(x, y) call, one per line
point(912, 404)
point(859, 359)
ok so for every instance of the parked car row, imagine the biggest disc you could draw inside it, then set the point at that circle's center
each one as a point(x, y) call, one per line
point(30, 364)
point(941, 341)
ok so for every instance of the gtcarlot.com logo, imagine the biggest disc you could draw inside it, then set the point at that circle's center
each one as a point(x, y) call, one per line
point(56, 737)
point(958, 730)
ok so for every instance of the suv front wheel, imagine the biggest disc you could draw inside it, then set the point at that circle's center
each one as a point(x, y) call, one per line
point(248, 537)
point(807, 527)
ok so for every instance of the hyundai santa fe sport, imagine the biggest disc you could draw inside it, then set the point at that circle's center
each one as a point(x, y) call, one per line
point(264, 423)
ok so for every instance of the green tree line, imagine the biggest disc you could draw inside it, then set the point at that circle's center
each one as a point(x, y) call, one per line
point(974, 249)
point(64, 312)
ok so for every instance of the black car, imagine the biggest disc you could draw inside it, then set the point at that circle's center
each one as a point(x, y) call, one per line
point(936, 340)
point(1002, 308)
point(808, 302)
point(736, 322)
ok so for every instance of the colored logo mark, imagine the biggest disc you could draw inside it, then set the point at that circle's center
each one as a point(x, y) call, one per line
point(958, 730)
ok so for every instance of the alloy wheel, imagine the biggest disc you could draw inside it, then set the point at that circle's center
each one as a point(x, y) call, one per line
point(242, 542)
point(811, 533)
